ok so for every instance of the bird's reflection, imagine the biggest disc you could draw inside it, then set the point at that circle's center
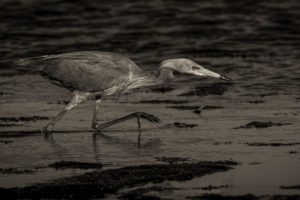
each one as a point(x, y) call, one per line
point(129, 146)
point(122, 142)
point(58, 150)
point(95, 147)
point(47, 136)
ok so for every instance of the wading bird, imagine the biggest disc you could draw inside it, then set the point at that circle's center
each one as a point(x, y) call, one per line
point(96, 74)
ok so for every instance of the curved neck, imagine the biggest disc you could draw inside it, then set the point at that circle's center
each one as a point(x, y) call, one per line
point(161, 77)
point(164, 75)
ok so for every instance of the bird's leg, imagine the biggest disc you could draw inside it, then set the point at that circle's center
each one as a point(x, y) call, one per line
point(96, 111)
point(77, 98)
point(47, 128)
point(138, 121)
point(140, 130)
point(137, 115)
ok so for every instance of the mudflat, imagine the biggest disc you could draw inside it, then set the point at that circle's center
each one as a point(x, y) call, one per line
point(252, 120)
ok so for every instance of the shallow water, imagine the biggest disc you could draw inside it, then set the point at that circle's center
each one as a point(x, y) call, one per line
point(257, 45)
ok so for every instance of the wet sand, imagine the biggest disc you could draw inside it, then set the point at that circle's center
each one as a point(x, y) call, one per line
point(252, 120)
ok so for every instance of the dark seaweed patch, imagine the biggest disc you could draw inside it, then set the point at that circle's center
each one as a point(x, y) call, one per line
point(72, 164)
point(6, 141)
point(273, 144)
point(293, 152)
point(162, 89)
point(285, 114)
point(63, 102)
point(255, 163)
point(223, 143)
point(184, 107)
point(214, 89)
point(268, 94)
point(184, 125)
point(23, 119)
point(171, 160)
point(257, 101)
point(198, 111)
point(15, 171)
point(257, 124)
point(98, 183)
point(60, 102)
point(216, 53)
point(5, 93)
point(243, 197)
point(164, 101)
point(10, 125)
point(23, 133)
point(211, 187)
point(291, 187)
point(5, 134)
point(195, 107)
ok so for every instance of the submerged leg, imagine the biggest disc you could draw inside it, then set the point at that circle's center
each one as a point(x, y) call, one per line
point(137, 115)
point(77, 98)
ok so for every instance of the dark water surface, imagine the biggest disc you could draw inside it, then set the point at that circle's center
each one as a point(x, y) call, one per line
point(256, 43)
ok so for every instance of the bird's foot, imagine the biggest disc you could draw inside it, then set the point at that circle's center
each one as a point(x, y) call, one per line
point(148, 117)
point(138, 115)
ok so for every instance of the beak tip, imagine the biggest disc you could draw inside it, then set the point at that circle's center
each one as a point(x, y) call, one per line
point(225, 78)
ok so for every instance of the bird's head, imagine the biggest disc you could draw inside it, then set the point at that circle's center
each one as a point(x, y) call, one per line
point(187, 66)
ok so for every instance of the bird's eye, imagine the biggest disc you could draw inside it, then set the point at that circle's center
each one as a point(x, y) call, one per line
point(195, 68)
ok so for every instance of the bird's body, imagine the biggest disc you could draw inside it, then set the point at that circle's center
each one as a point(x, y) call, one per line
point(89, 71)
point(98, 73)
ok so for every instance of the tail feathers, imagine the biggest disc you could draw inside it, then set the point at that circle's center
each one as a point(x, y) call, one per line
point(27, 61)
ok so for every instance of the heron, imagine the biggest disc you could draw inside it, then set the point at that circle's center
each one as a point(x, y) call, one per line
point(98, 74)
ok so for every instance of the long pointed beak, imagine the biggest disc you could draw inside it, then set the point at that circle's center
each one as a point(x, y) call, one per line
point(224, 78)
point(206, 72)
